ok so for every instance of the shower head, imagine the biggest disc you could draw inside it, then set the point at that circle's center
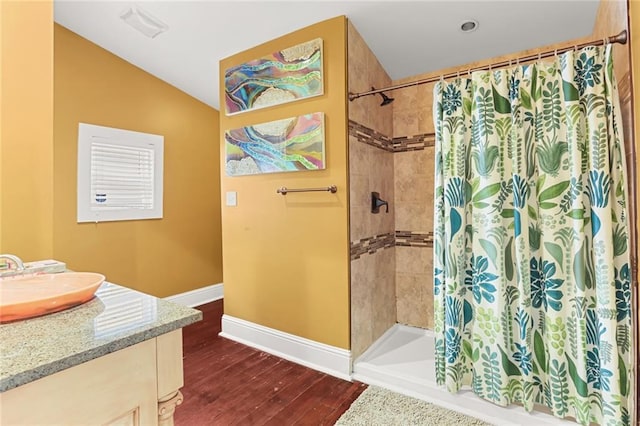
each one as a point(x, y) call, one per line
point(385, 99)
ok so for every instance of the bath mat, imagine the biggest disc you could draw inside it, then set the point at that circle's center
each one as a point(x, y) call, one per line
point(380, 407)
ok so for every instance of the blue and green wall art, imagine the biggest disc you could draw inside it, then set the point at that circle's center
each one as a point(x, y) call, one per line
point(284, 76)
point(287, 145)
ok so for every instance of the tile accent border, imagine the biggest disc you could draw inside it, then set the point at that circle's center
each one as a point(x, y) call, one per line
point(369, 136)
point(414, 239)
point(414, 143)
point(370, 245)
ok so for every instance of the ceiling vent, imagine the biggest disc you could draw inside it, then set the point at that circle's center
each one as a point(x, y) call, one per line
point(143, 21)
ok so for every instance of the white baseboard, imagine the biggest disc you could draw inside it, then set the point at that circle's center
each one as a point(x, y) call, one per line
point(319, 356)
point(199, 296)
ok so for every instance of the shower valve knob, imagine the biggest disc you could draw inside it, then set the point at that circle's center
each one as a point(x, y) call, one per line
point(377, 202)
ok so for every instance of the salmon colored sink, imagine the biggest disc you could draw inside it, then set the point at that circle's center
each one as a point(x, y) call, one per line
point(30, 296)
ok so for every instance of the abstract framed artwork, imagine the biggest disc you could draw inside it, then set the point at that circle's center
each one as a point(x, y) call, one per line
point(284, 76)
point(287, 145)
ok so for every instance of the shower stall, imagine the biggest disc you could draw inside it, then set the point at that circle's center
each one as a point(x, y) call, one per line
point(391, 153)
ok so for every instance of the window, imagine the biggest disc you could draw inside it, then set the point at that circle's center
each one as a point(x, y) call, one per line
point(119, 174)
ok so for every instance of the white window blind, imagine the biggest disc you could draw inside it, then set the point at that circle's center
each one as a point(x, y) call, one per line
point(119, 174)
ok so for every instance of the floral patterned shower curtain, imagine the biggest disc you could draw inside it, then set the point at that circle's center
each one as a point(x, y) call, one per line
point(531, 257)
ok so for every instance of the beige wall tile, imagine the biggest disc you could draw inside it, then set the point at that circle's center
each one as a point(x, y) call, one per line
point(428, 295)
point(382, 222)
point(359, 223)
point(424, 95)
point(381, 116)
point(384, 294)
point(386, 124)
point(406, 99)
point(413, 191)
point(357, 68)
point(381, 180)
point(373, 300)
point(359, 157)
point(425, 108)
point(405, 122)
point(410, 163)
point(365, 72)
point(428, 159)
point(425, 121)
point(410, 291)
point(360, 194)
point(361, 312)
point(412, 260)
point(412, 111)
point(357, 111)
point(393, 284)
point(371, 169)
point(357, 52)
point(413, 184)
point(414, 286)
point(412, 216)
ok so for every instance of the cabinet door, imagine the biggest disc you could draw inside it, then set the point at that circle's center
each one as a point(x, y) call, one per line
point(119, 388)
point(129, 419)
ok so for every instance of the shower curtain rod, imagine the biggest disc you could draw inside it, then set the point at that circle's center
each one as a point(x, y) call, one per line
point(618, 38)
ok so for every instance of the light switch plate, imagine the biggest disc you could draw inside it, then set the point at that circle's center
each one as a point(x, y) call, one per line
point(232, 198)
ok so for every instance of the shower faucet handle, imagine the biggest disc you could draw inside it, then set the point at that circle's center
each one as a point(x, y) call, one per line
point(377, 202)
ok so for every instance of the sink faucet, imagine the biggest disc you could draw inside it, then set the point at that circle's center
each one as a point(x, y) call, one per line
point(15, 259)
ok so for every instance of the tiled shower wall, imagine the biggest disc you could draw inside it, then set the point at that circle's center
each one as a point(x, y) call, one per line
point(414, 178)
point(390, 152)
point(371, 168)
point(409, 132)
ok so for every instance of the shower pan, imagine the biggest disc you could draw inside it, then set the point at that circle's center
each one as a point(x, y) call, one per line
point(403, 360)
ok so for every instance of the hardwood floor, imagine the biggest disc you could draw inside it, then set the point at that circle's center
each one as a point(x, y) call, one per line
point(227, 383)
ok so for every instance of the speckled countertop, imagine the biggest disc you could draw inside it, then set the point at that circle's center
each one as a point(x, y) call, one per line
point(116, 318)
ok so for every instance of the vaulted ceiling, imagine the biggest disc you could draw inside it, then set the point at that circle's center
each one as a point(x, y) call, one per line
point(408, 37)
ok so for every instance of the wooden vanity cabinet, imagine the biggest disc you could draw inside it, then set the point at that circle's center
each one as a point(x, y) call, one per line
point(137, 385)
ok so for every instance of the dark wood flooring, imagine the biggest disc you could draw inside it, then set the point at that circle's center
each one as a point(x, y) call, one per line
point(227, 383)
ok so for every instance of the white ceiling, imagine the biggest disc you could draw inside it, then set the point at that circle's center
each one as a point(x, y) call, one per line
point(408, 37)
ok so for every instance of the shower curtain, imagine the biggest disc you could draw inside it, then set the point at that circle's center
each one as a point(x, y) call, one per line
point(531, 258)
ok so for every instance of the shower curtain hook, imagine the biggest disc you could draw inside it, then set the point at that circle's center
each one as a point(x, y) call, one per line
point(539, 55)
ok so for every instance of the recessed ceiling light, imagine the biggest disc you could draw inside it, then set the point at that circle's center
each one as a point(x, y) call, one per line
point(469, 26)
point(143, 21)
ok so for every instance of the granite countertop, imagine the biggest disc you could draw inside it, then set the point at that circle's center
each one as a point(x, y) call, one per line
point(116, 318)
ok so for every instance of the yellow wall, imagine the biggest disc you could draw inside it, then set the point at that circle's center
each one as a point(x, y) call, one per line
point(2, 83)
point(26, 135)
point(286, 258)
point(178, 253)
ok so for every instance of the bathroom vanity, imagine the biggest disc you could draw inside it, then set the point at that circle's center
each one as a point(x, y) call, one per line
point(115, 360)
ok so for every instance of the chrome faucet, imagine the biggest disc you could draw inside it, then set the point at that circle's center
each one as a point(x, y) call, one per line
point(15, 260)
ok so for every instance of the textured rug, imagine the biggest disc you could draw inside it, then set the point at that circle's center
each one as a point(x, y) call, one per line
point(380, 407)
